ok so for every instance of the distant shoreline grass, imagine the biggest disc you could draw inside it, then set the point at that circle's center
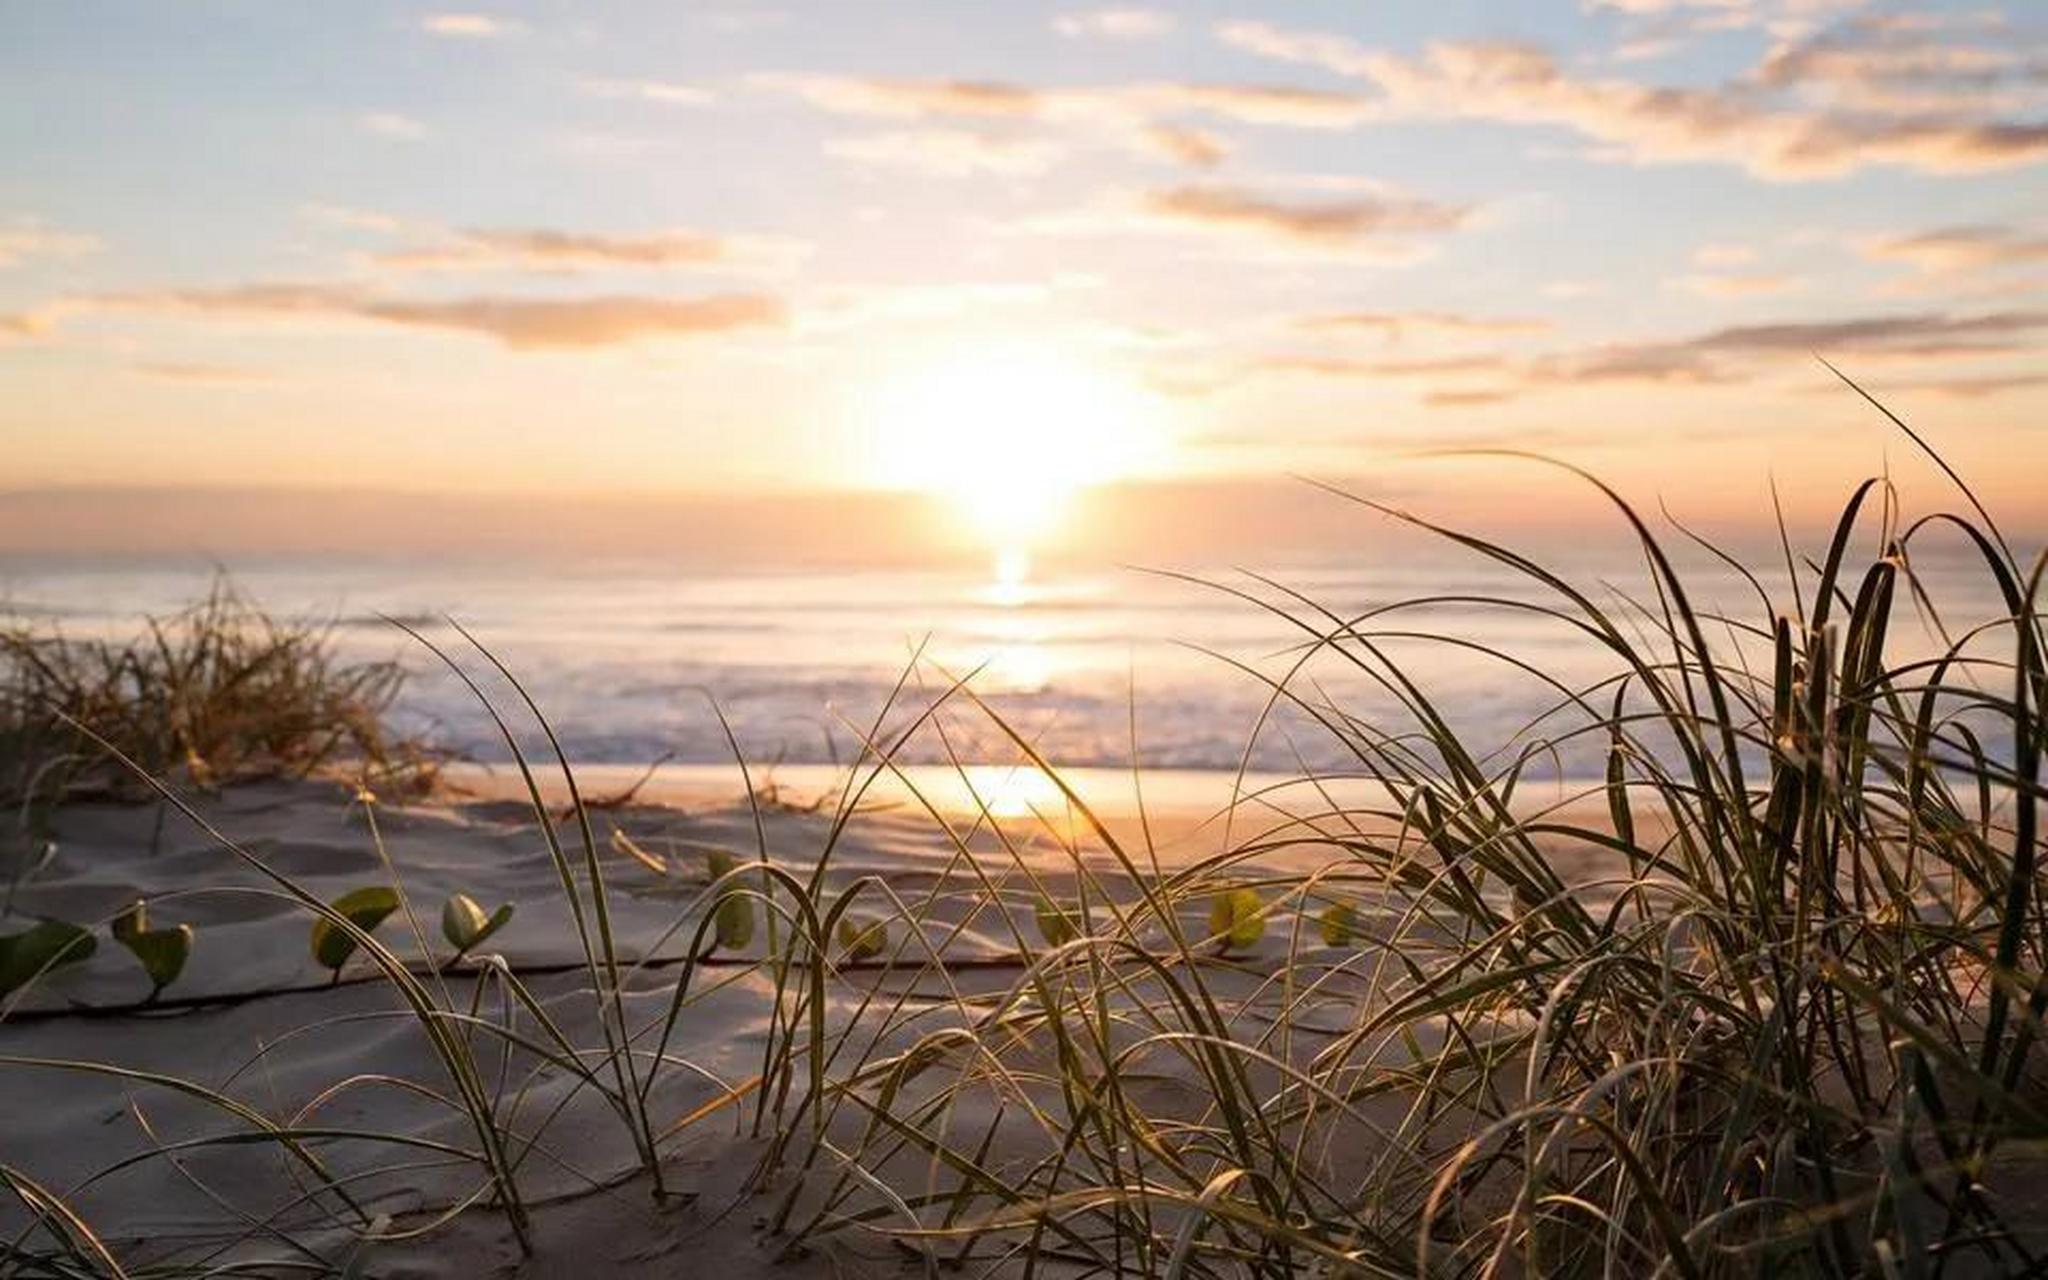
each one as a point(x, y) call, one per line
point(1794, 1032)
point(217, 693)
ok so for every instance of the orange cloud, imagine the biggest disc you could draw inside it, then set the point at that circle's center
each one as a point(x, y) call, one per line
point(1336, 222)
point(1963, 248)
point(1521, 84)
point(27, 239)
point(523, 324)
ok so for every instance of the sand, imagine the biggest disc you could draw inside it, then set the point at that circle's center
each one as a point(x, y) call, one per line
point(254, 1016)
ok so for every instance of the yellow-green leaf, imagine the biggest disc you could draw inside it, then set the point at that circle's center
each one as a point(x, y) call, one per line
point(50, 945)
point(1238, 918)
point(863, 940)
point(163, 952)
point(365, 908)
point(734, 917)
point(464, 923)
point(1338, 923)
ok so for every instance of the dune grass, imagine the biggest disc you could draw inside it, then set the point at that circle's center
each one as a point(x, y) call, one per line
point(1763, 998)
point(219, 692)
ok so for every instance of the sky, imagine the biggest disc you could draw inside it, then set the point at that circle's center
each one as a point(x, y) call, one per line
point(999, 254)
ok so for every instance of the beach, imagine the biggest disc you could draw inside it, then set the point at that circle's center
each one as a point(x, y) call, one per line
point(256, 1018)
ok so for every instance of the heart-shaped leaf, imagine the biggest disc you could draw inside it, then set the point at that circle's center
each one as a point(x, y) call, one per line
point(863, 939)
point(1338, 923)
point(720, 863)
point(1238, 918)
point(163, 953)
point(365, 908)
point(49, 945)
point(465, 925)
point(734, 917)
point(1054, 924)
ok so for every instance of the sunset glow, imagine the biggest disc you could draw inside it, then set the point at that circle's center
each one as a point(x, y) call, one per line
point(1009, 433)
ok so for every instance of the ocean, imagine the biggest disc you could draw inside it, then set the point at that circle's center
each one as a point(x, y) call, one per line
point(1101, 667)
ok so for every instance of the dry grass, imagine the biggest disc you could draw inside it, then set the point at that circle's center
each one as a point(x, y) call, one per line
point(220, 692)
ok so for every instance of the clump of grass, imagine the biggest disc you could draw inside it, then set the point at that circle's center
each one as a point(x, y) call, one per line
point(219, 692)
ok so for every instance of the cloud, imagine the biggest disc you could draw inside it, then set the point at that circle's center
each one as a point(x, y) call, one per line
point(1329, 223)
point(1970, 388)
point(470, 26)
point(21, 326)
point(356, 219)
point(949, 152)
point(669, 92)
point(1962, 248)
point(1341, 367)
point(546, 250)
point(1248, 104)
point(211, 375)
point(1114, 24)
point(523, 324)
point(1471, 399)
point(1191, 147)
point(1922, 334)
point(1737, 286)
point(1731, 124)
point(1723, 255)
point(910, 99)
point(26, 239)
point(390, 124)
point(1925, 64)
point(1397, 325)
point(1732, 354)
point(1124, 106)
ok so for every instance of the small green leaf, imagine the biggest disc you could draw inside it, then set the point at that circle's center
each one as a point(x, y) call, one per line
point(48, 946)
point(365, 908)
point(465, 925)
point(734, 916)
point(863, 940)
point(163, 953)
point(720, 862)
point(1054, 924)
point(1238, 918)
point(1338, 923)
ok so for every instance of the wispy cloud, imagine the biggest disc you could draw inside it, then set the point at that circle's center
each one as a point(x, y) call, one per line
point(470, 26)
point(520, 323)
point(669, 92)
point(910, 99)
point(20, 326)
point(1114, 24)
point(27, 238)
point(1195, 148)
point(208, 375)
point(1978, 387)
point(1342, 367)
point(392, 124)
point(1395, 326)
point(1349, 223)
point(1963, 248)
point(1732, 124)
point(1725, 285)
point(1736, 353)
point(550, 250)
point(949, 152)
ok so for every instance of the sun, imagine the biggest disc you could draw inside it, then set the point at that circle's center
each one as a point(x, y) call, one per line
point(1008, 433)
